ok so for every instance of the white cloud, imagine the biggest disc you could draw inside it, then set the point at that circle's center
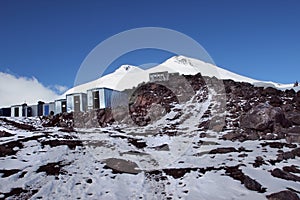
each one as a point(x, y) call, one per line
point(59, 88)
point(17, 90)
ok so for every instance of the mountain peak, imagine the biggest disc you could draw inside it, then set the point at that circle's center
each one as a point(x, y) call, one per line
point(127, 69)
point(182, 60)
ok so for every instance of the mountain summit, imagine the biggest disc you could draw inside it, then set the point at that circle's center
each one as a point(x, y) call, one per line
point(123, 69)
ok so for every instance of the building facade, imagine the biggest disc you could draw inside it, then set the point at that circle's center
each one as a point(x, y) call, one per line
point(99, 98)
point(76, 102)
point(60, 106)
point(162, 76)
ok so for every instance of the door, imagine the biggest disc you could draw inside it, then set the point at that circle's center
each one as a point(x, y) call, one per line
point(77, 103)
point(46, 111)
point(16, 111)
point(64, 106)
point(40, 108)
point(29, 112)
point(96, 100)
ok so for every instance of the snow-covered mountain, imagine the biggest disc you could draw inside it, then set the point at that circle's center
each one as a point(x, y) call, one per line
point(128, 76)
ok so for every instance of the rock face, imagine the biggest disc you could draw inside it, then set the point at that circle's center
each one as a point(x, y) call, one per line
point(262, 117)
point(148, 102)
point(252, 113)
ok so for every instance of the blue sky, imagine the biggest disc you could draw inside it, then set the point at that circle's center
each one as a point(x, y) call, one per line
point(50, 39)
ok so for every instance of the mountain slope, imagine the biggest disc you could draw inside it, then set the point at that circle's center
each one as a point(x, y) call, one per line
point(128, 76)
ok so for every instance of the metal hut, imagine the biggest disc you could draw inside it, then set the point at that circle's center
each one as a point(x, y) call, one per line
point(47, 108)
point(6, 112)
point(16, 111)
point(99, 98)
point(60, 106)
point(32, 111)
point(76, 102)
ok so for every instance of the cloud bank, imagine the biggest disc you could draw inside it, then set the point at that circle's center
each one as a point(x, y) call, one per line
point(17, 90)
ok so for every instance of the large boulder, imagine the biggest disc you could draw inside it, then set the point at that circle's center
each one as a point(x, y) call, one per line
point(283, 195)
point(294, 118)
point(263, 117)
point(290, 93)
point(275, 101)
point(293, 134)
point(269, 91)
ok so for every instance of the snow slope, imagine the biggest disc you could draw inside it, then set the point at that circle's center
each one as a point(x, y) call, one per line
point(128, 76)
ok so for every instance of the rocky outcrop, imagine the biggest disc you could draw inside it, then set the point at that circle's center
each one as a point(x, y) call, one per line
point(263, 117)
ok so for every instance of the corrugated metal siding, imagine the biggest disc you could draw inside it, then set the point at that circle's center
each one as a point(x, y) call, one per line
point(58, 107)
point(51, 107)
point(107, 98)
point(40, 108)
point(12, 111)
point(20, 111)
point(101, 98)
point(34, 110)
point(107, 95)
point(83, 102)
point(70, 104)
point(90, 101)
point(119, 99)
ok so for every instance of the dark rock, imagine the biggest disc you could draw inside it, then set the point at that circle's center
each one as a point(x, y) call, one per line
point(247, 107)
point(292, 168)
point(259, 161)
point(296, 151)
point(5, 134)
point(163, 147)
point(263, 117)
point(89, 181)
point(287, 107)
point(137, 143)
point(178, 173)
point(223, 150)
point(26, 127)
point(252, 135)
point(271, 91)
point(290, 92)
point(278, 145)
point(70, 143)
point(249, 183)
point(8, 172)
point(293, 134)
point(283, 195)
point(275, 101)
point(286, 155)
point(7, 149)
point(155, 175)
point(54, 168)
point(294, 118)
point(119, 166)
point(252, 184)
point(231, 136)
point(19, 193)
point(67, 130)
point(204, 125)
point(284, 175)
